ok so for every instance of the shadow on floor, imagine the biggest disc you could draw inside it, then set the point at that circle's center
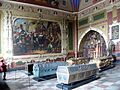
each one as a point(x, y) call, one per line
point(48, 77)
point(3, 85)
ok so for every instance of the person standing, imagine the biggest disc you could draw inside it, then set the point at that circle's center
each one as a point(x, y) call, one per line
point(4, 67)
point(1, 70)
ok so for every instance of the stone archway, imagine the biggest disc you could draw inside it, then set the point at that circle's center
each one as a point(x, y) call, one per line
point(93, 44)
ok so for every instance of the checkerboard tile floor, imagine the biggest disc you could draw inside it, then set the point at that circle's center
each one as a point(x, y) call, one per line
point(19, 80)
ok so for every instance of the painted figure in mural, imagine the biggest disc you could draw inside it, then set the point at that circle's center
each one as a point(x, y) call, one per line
point(50, 48)
point(35, 42)
point(21, 30)
point(22, 39)
point(41, 39)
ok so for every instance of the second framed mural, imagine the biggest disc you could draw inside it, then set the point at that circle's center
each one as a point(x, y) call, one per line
point(114, 32)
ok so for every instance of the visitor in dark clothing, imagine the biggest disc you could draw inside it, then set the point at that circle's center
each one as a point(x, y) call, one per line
point(4, 67)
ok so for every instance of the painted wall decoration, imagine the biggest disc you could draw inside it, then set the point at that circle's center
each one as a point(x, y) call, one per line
point(48, 3)
point(95, 1)
point(93, 45)
point(31, 36)
point(115, 32)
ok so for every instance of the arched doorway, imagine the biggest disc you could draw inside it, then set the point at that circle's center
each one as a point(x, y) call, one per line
point(93, 45)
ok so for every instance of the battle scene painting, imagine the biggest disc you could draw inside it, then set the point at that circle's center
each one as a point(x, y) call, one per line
point(32, 36)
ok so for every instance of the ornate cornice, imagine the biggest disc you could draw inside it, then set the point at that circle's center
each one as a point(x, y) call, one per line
point(34, 10)
point(103, 5)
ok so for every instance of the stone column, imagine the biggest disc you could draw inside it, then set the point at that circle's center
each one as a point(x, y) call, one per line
point(76, 36)
point(110, 21)
point(64, 37)
point(7, 35)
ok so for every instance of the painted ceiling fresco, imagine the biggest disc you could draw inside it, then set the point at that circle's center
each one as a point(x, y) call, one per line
point(68, 5)
point(58, 4)
point(49, 3)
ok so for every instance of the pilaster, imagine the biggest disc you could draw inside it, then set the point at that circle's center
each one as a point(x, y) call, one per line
point(7, 35)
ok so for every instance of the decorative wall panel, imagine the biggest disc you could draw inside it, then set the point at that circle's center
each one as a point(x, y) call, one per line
point(83, 21)
point(99, 16)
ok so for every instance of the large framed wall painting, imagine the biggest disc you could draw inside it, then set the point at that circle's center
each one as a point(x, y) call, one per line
point(31, 36)
point(115, 32)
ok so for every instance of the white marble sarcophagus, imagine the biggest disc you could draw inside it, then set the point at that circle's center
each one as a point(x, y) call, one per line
point(69, 74)
point(46, 68)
